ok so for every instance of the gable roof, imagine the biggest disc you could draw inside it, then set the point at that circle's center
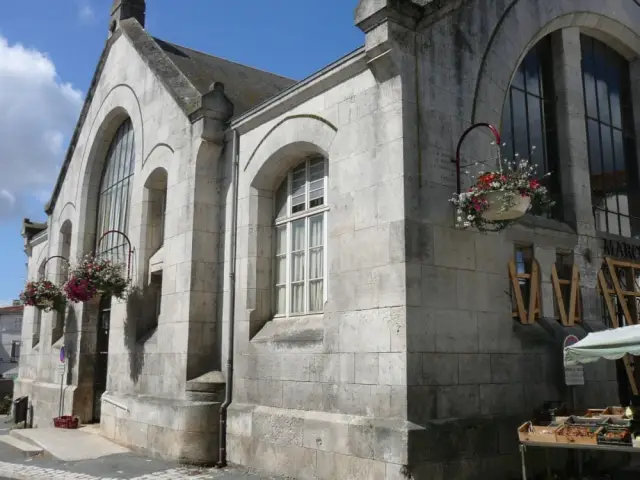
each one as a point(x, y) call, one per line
point(187, 75)
point(245, 86)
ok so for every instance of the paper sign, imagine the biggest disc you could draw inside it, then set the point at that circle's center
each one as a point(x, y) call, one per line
point(573, 375)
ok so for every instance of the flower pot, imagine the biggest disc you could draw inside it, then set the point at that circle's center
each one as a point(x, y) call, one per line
point(494, 213)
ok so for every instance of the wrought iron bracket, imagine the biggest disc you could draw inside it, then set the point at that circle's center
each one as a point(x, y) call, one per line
point(130, 252)
point(456, 160)
point(43, 268)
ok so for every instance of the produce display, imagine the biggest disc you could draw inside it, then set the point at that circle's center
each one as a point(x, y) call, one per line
point(609, 426)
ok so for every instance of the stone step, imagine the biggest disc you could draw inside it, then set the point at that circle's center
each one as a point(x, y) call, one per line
point(27, 448)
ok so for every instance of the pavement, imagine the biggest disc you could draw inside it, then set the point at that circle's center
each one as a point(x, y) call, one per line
point(58, 454)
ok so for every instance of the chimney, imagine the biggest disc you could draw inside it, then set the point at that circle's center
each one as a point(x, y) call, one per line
point(125, 9)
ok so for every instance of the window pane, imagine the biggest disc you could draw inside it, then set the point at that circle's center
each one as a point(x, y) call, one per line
point(532, 73)
point(281, 199)
point(281, 239)
point(603, 100)
point(316, 230)
point(297, 298)
point(281, 270)
point(507, 133)
point(618, 152)
point(607, 153)
point(316, 169)
point(316, 296)
point(297, 267)
point(298, 188)
point(519, 112)
point(536, 134)
point(281, 300)
point(298, 231)
point(614, 92)
point(590, 89)
point(595, 161)
point(316, 263)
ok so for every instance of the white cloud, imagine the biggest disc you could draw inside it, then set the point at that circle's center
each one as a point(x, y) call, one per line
point(39, 112)
point(85, 11)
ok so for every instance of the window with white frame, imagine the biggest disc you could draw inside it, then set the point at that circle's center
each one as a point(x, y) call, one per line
point(300, 227)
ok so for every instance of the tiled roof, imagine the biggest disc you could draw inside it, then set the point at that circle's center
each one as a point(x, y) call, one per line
point(11, 309)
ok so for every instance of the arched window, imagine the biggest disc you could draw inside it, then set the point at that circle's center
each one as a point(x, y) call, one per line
point(300, 230)
point(115, 194)
point(529, 116)
point(611, 138)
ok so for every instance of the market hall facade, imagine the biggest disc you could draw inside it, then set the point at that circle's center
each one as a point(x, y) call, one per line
point(308, 226)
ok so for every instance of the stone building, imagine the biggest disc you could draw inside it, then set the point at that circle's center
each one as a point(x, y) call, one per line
point(10, 332)
point(294, 248)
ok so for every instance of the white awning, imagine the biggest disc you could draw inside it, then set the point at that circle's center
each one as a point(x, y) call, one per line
point(609, 344)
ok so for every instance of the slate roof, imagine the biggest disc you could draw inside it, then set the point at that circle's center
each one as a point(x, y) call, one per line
point(245, 86)
point(187, 76)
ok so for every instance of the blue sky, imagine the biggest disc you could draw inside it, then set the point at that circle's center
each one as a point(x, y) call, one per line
point(48, 53)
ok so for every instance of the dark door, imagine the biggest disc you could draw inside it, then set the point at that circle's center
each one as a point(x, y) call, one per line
point(102, 355)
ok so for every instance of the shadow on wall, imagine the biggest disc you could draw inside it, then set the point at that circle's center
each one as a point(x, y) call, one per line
point(139, 326)
point(70, 341)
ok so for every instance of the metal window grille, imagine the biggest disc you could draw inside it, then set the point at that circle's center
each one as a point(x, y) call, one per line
point(529, 117)
point(115, 194)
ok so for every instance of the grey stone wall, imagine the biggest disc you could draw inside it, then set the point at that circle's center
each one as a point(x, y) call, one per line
point(416, 365)
point(473, 366)
point(148, 403)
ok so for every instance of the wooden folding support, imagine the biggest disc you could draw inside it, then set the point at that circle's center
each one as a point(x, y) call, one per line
point(607, 293)
point(527, 314)
point(574, 315)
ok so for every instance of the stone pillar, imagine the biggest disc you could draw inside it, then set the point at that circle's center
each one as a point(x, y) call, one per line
point(572, 134)
point(574, 164)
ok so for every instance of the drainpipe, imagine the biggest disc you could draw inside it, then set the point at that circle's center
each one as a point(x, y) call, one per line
point(222, 454)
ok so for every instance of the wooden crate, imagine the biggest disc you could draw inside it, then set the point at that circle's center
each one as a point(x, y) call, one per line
point(614, 411)
point(535, 433)
point(561, 436)
point(594, 412)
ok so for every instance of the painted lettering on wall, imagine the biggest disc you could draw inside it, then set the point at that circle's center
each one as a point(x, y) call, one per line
point(618, 249)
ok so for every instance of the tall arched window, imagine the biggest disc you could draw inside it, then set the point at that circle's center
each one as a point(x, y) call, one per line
point(115, 193)
point(611, 137)
point(529, 116)
point(300, 230)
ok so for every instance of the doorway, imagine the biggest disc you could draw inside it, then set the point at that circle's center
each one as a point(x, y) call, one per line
point(102, 355)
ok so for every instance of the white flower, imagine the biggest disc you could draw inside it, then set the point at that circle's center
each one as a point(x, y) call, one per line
point(459, 219)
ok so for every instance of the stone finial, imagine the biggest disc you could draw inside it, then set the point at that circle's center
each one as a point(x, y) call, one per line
point(125, 9)
point(370, 13)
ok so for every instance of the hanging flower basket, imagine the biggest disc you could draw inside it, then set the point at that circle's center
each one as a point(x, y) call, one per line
point(95, 276)
point(500, 198)
point(43, 295)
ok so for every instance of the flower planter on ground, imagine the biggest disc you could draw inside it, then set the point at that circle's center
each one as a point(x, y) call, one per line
point(44, 295)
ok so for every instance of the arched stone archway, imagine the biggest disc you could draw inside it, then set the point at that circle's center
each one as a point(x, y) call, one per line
point(525, 22)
